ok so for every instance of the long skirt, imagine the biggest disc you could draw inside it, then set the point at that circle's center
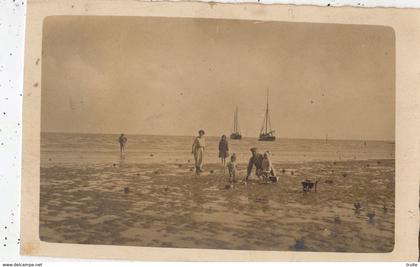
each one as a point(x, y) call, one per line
point(198, 157)
point(223, 154)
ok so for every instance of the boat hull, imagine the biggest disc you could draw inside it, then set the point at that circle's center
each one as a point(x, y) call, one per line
point(267, 138)
point(236, 136)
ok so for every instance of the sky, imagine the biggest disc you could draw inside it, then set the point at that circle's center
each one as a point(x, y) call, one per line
point(174, 76)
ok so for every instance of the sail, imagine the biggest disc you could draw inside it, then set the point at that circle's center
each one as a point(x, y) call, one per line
point(266, 126)
point(236, 128)
point(234, 121)
point(236, 131)
point(266, 133)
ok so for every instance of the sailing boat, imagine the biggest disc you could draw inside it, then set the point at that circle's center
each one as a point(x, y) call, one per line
point(266, 134)
point(236, 132)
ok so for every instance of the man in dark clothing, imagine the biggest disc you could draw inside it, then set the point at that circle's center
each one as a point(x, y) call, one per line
point(122, 140)
point(255, 160)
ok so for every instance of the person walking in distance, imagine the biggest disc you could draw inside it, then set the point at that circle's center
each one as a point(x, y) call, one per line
point(122, 140)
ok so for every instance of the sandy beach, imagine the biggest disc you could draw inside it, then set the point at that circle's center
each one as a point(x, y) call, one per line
point(319, 98)
point(167, 205)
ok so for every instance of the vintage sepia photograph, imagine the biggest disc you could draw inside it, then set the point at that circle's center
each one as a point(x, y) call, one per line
point(217, 134)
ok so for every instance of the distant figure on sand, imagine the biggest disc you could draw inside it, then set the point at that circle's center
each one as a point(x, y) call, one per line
point(268, 172)
point(255, 160)
point(122, 140)
point(198, 151)
point(231, 165)
point(223, 149)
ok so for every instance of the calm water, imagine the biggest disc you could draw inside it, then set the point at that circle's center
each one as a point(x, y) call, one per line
point(88, 149)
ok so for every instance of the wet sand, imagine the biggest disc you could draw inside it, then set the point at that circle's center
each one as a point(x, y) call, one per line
point(169, 206)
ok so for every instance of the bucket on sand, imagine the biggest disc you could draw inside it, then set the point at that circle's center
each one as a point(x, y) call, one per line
point(269, 178)
point(308, 185)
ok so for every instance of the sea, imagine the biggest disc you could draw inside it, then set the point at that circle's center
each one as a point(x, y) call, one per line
point(74, 149)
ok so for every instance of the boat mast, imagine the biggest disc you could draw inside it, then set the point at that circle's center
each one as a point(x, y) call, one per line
point(266, 115)
point(234, 121)
point(237, 120)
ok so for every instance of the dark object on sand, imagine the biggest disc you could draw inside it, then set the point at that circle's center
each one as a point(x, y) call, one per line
point(299, 244)
point(156, 172)
point(328, 181)
point(357, 207)
point(191, 169)
point(151, 155)
point(166, 189)
point(114, 164)
point(378, 162)
point(334, 162)
point(344, 175)
point(283, 170)
point(188, 161)
point(180, 165)
point(228, 186)
point(211, 171)
point(126, 190)
point(292, 173)
point(337, 220)
point(138, 174)
point(49, 159)
point(270, 179)
point(273, 179)
point(308, 185)
point(371, 215)
point(368, 165)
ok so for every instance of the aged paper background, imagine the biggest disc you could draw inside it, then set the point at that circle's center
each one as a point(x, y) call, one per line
point(406, 26)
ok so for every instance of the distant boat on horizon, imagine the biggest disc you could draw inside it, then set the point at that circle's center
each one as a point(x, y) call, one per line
point(266, 133)
point(236, 135)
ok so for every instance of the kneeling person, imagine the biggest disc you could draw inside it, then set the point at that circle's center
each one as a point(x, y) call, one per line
point(255, 160)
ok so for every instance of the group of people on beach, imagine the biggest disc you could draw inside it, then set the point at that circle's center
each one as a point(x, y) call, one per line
point(263, 166)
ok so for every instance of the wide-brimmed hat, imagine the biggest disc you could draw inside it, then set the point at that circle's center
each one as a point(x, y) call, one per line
point(253, 149)
point(201, 131)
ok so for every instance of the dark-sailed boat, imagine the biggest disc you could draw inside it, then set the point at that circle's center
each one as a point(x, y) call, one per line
point(266, 133)
point(236, 132)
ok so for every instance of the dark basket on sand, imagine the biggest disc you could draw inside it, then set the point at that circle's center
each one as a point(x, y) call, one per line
point(308, 185)
point(270, 179)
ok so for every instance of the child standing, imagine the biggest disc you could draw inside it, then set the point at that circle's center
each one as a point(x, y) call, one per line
point(231, 165)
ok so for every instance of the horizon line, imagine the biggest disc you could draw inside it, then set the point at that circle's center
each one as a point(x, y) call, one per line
point(182, 135)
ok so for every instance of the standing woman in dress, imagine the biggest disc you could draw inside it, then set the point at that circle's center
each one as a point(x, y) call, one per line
point(198, 151)
point(223, 149)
